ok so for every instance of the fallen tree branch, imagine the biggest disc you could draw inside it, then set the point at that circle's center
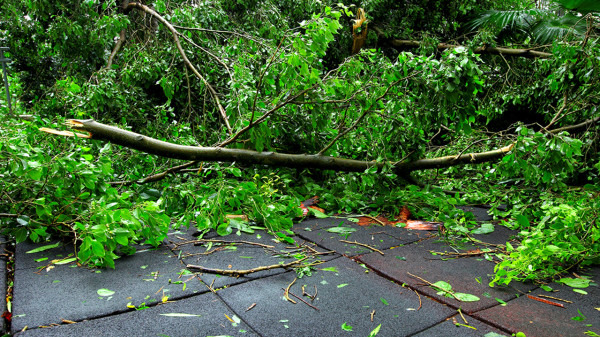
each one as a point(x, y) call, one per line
point(154, 146)
point(242, 272)
point(197, 153)
point(528, 53)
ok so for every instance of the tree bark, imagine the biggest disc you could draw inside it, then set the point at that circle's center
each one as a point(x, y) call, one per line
point(198, 153)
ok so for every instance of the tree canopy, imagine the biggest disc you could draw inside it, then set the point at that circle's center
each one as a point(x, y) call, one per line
point(428, 104)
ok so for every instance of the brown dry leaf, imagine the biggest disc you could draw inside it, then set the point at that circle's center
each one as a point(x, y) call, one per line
point(367, 221)
point(423, 225)
point(404, 214)
point(308, 203)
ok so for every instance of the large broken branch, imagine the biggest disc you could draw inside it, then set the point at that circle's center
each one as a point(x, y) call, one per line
point(198, 153)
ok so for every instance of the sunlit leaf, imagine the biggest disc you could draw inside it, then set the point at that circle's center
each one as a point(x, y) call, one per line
point(105, 292)
point(43, 248)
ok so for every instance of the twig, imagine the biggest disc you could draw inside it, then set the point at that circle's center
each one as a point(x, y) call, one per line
point(419, 296)
point(220, 32)
point(555, 298)
point(374, 219)
point(558, 113)
point(463, 317)
point(301, 299)
point(286, 292)
point(154, 177)
point(264, 116)
point(190, 41)
point(251, 307)
point(372, 315)
point(560, 305)
point(436, 287)
point(260, 79)
point(362, 116)
point(202, 241)
point(242, 272)
point(115, 49)
point(364, 245)
point(312, 297)
point(175, 34)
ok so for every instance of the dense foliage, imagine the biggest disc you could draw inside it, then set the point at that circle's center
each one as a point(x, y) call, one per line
point(283, 75)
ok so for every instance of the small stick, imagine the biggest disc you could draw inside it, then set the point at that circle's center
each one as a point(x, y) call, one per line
point(251, 307)
point(301, 299)
point(463, 317)
point(431, 284)
point(202, 241)
point(372, 314)
point(286, 293)
point(370, 217)
point(419, 296)
point(555, 298)
point(560, 305)
point(364, 245)
point(242, 272)
point(312, 297)
point(375, 219)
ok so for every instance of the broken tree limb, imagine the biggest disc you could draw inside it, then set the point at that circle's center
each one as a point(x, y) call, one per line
point(198, 153)
point(528, 53)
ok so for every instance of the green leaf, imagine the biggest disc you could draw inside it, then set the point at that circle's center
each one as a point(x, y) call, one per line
point(583, 292)
point(341, 230)
point(466, 297)
point(65, 261)
point(43, 248)
point(333, 269)
point(105, 292)
point(342, 285)
point(318, 214)
point(523, 221)
point(346, 327)
point(502, 303)
point(384, 301)
point(485, 228)
point(575, 282)
point(98, 249)
point(579, 318)
point(375, 331)
point(443, 285)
